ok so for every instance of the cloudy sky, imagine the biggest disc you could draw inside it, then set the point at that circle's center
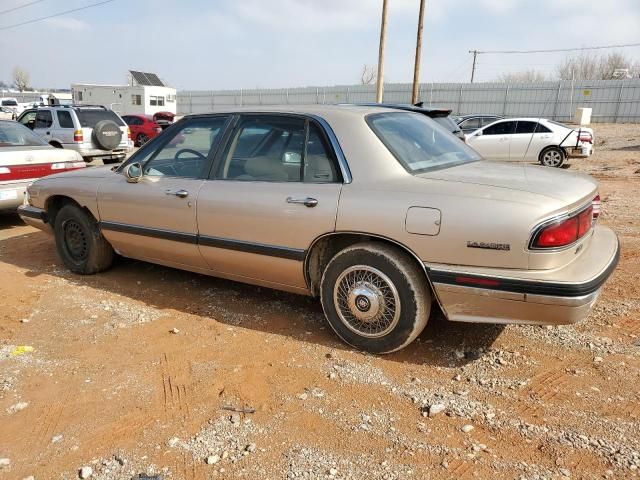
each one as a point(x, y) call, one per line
point(218, 44)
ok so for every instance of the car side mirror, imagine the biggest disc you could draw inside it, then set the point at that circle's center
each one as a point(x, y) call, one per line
point(133, 172)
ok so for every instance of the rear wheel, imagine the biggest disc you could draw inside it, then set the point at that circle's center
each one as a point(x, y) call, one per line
point(375, 297)
point(141, 139)
point(552, 157)
point(80, 243)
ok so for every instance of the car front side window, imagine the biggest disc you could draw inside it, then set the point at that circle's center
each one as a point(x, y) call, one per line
point(44, 119)
point(187, 153)
point(501, 128)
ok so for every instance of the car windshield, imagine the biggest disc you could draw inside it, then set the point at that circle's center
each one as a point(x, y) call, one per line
point(9, 103)
point(14, 134)
point(89, 117)
point(418, 143)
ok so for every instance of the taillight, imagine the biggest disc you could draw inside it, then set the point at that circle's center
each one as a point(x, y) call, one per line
point(565, 232)
point(67, 165)
point(4, 171)
point(585, 137)
point(129, 133)
point(78, 136)
point(597, 206)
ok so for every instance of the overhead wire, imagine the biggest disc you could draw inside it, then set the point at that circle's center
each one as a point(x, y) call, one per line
point(7, 27)
point(19, 7)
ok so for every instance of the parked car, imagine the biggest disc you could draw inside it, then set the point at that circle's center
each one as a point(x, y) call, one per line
point(7, 113)
point(471, 123)
point(94, 131)
point(164, 119)
point(143, 128)
point(377, 212)
point(441, 116)
point(25, 157)
point(532, 140)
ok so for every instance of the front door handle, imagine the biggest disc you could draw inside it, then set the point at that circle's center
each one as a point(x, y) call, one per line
point(178, 193)
point(307, 202)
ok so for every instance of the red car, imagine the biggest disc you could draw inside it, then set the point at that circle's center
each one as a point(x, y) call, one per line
point(143, 128)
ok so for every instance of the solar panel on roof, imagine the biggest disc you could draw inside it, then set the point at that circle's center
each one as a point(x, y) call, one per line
point(148, 79)
point(139, 77)
point(154, 80)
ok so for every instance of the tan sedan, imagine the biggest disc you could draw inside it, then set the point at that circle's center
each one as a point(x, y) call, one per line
point(378, 212)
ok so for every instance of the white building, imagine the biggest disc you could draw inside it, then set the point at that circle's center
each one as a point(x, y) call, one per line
point(146, 94)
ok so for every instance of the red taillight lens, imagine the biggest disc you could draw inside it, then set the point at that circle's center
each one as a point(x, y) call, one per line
point(585, 220)
point(597, 206)
point(565, 232)
point(586, 137)
point(78, 136)
point(558, 235)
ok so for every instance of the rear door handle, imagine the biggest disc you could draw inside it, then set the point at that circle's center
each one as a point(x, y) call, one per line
point(178, 193)
point(307, 202)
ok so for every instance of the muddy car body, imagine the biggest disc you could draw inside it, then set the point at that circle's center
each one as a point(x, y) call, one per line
point(378, 212)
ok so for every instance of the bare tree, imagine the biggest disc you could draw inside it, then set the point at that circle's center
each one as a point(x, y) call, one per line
point(588, 66)
point(523, 76)
point(20, 79)
point(368, 75)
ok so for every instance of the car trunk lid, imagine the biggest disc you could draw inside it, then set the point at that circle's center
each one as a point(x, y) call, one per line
point(568, 187)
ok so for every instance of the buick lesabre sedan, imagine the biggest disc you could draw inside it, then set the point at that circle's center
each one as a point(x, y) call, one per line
point(375, 211)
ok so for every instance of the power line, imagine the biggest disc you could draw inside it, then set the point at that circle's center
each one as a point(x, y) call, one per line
point(20, 7)
point(556, 50)
point(56, 15)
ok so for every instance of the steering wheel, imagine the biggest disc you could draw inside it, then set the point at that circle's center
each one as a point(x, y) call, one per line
point(189, 150)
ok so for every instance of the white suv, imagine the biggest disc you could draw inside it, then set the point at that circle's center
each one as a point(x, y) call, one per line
point(93, 131)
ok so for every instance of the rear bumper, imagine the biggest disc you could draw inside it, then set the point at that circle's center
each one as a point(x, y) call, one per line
point(584, 151)
point(560, 296)
point(12, 195)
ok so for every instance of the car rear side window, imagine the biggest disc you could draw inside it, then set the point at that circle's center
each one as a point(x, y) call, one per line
point(526, 127)
point(90, 117)
point(472, 124)
point(418, 143)
point(43, 119)
point(542, 129)
point(64, 119)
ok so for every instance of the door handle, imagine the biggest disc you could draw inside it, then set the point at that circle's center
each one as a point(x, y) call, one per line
point(307, 202)
point(178, 193)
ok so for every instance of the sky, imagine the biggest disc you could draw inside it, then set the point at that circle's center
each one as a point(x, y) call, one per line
point(232, 44)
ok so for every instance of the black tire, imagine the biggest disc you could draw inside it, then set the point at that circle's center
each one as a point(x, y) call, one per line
point(106, 134)
point(552, 157)
point(141, 139)
point(393, 279)
point(79, 242)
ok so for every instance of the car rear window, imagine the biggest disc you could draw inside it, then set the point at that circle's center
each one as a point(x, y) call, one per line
point(13, 134)
point(9, 103)
point(447, 122)
point(418, 143)
point(89, 117)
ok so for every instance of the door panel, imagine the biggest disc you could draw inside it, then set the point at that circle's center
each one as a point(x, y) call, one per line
point(155, 218)
point(494, 143)
point(143, 220)
point(250, 230)
point(276, 190)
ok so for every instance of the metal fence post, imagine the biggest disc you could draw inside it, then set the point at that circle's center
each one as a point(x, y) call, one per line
point(241, 97)
point(347, 96)
point(555, 107)
point(615, 120)
point(459, 112)
point(506, 100)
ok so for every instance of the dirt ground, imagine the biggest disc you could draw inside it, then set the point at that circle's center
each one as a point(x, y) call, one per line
point(108, 386)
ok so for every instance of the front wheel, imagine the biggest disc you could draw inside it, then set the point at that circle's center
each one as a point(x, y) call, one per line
point(141, 139)
point(375, 297)
point(552, 157)
point(80, 243)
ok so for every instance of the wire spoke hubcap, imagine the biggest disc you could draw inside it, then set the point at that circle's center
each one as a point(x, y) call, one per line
point(366, 301)
point(75, 240)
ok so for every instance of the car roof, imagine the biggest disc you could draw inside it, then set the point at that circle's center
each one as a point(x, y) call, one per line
point(409, 107)
point(324, 111)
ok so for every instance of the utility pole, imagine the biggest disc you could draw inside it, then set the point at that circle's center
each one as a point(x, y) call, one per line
point(473, 68)
point(383, 37)
point(416, 67)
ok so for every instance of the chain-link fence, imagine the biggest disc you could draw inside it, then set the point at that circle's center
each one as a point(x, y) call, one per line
point(611, 100)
